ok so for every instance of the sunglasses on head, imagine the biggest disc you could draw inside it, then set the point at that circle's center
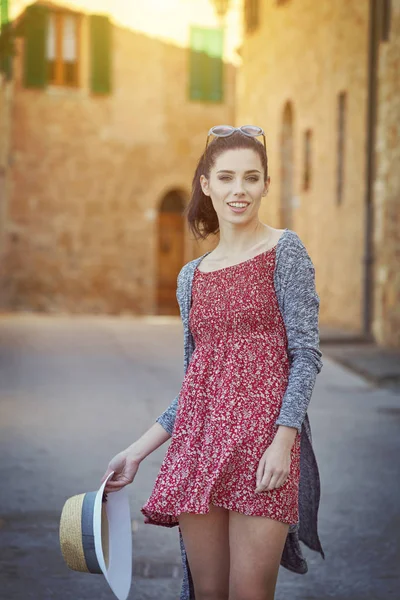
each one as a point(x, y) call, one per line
point(225, 130)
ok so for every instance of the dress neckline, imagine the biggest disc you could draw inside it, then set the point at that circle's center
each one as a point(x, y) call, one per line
point(243, 262)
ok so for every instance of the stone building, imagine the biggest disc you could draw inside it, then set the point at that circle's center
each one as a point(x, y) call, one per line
point(322, 79)
point(5, 103)
point(5, 123)
point(386, 184)
point(104, 142)
point(107, 127)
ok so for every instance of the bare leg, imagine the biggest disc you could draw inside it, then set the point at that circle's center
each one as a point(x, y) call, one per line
point(256, 546)
point(206, 540)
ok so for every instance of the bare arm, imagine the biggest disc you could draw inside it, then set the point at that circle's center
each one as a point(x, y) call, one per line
point(152, 439)
point(125, 464)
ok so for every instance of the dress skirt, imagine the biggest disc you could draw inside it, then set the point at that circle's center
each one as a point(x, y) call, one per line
point(229, 401)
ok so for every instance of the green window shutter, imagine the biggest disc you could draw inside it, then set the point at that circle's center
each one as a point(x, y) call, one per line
point(100, 54)
point(6, 41)
point(35, 32)
point(206, 64)
point(4, 11)
point(216, 65)
point(198, 65)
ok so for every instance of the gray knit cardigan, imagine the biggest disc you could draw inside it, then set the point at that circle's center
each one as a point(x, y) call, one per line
point(294, 282)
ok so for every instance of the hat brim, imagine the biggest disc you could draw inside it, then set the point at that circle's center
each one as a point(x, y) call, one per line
point(117, 566)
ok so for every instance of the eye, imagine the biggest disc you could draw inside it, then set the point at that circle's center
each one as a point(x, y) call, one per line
point(226, 178)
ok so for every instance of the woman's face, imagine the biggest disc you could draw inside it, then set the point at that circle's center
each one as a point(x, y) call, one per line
point(236, 185)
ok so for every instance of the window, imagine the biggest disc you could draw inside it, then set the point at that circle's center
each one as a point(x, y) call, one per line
point(386, 8)
point(62, 49)
point(307, 160)
point(206, 64)
point(52, 49)
point(341, 134)
point(251, 15)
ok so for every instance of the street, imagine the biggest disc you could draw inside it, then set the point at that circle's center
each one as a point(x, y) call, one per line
point(74, 391)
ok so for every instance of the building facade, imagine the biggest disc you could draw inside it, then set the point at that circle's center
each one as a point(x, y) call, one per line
point(107, 124)
point(5, 120)
point(310, 79)
point(107, 127)
point(6, 90)
point(386, 185)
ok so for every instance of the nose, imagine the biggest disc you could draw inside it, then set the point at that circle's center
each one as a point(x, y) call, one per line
point(238, 187)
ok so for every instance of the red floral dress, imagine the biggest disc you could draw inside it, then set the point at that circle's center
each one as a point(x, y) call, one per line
point(229, 401)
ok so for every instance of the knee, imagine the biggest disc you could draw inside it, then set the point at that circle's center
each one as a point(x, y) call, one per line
point(250, 592)
point(252, 595)
point(209, 593)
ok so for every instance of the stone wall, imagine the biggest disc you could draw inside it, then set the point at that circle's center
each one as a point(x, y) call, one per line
point(5, 118)
point(89, 174)
point(387, 189)
point(307, 53)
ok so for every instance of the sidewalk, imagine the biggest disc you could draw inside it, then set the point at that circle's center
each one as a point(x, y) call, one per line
point(380, 366)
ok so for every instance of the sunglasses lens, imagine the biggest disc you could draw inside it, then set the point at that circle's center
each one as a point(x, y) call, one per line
point(251, 130)
point(222, 130)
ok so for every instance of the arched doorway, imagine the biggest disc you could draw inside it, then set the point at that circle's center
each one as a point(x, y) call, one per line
point(287, 168)
point(170, 251)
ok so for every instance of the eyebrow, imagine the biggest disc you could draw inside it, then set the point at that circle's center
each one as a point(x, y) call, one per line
point(233, 172)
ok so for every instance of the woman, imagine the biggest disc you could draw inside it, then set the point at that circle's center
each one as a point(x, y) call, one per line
point(232, 478)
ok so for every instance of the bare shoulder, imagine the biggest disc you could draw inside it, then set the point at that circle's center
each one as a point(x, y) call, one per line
point(274, 237)
point(277, 234)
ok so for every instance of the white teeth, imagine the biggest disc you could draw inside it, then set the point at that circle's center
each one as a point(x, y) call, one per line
point(237, 204)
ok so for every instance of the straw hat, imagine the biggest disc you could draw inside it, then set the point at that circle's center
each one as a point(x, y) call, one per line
point(95, 536)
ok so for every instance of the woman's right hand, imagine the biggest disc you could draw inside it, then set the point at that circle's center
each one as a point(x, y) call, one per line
point(125, 466)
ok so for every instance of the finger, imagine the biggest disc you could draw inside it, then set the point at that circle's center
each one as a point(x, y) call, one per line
point(260, 472)
point(274, 482)
point(114, 488)
point(279, 482)
point(267, 479)
point(261, 476)
point(115, 484)
point(284, 480)
point(106, 474)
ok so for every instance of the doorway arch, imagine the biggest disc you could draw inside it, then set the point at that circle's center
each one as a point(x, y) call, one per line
point(287, 168)
point(170, 250)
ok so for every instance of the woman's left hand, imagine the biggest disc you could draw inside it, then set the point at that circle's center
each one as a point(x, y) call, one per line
point(274, 467)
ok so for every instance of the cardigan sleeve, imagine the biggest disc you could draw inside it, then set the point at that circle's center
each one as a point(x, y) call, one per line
point(300, 314)
point(167, 418)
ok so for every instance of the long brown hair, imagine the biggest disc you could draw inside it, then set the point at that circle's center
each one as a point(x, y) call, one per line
point(200, 213)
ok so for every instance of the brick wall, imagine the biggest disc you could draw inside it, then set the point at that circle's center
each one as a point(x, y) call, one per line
point(306, 53)
point(89, 174)
point(387, 190)
point(5, 119)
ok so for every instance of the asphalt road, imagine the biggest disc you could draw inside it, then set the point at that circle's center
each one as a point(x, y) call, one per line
point(75, 391)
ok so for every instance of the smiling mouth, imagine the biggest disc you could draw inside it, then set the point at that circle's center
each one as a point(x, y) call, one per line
point(238, 207)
